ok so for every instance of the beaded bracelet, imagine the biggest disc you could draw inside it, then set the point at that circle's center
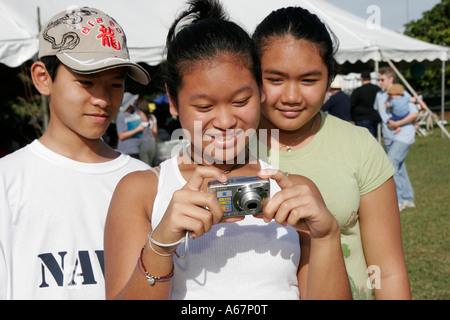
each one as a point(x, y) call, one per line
point(152, 279)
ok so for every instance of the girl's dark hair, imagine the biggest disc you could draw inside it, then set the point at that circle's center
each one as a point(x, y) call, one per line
point(301, 24)
point(201, 34)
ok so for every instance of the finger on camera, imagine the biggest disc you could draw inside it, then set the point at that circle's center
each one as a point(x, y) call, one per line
point(202, 173)
point(182, 198)
point(294, 192)
point(232, 219)
point(198, 220)
point(279, 176)
point(285, 212)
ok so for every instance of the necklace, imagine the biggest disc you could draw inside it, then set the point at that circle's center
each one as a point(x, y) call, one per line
point(289, 147)
point(233, 167)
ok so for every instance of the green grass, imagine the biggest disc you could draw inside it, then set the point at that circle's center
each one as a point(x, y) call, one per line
point(425, 228)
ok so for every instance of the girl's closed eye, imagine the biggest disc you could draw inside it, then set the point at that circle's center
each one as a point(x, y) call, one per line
point(241, 103)
point(309, 81)
point(203, 108)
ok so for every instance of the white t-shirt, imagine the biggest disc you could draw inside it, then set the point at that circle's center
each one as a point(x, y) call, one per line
point(249, 259)
point(52, 215)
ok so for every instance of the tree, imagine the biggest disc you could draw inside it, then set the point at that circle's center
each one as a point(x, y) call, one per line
point(433, 28)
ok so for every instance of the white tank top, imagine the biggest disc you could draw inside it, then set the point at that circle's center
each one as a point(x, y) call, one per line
point(249, 259)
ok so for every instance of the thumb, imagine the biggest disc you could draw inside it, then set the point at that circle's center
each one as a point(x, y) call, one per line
point(279, 176)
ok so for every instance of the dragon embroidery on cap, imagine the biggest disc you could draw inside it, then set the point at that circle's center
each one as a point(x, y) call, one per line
point(69, 40)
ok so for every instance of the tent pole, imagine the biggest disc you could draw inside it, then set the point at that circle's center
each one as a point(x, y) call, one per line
point(435, 118)
point(443, 93)
point(43, 98)
point(377, 68)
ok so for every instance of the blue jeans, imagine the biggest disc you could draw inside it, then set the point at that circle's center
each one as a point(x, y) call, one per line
point(371, 125)
point(396, 152)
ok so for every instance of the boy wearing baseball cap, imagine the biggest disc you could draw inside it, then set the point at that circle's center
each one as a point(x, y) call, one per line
point(55, 192)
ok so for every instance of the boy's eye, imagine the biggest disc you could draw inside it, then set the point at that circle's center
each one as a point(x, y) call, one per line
point(117, 85)
point(85, 82)
point(274, 80)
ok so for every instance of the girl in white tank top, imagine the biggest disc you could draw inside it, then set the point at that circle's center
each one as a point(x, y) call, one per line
point(166, 236)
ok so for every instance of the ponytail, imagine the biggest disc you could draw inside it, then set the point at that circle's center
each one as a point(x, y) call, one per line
point(203, 33)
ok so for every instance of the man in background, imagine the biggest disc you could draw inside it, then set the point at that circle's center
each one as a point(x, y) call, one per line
point(361, 105)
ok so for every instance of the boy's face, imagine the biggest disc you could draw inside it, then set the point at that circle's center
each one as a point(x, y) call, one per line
point(85, 104)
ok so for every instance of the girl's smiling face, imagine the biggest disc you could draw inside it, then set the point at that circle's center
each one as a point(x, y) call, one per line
point(219, 106)
point(295, 80)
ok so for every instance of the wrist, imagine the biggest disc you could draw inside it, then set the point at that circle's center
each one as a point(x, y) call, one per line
point(152, 279)
point(332, 233)
point(169, 248)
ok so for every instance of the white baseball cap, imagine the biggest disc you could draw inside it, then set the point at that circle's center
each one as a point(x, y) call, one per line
point(87, 40)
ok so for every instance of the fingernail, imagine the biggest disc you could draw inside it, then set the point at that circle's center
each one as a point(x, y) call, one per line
point(267, 172)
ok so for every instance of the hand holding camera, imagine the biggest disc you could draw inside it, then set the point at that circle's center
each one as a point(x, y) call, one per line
point(299, 204)
point(193, 210)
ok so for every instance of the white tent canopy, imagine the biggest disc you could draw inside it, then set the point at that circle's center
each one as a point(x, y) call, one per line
point(146, 23)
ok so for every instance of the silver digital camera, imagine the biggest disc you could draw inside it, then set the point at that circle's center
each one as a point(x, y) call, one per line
point(241, 196)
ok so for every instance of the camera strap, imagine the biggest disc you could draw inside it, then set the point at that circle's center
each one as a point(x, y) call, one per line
point(233, 167)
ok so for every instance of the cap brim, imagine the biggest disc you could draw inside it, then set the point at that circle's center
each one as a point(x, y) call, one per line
point(87, 63)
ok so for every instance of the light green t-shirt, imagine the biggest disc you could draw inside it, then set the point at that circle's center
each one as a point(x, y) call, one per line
point(345, 162)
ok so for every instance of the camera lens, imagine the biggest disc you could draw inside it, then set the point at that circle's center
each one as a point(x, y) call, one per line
point(251, 202)
point(252, 205)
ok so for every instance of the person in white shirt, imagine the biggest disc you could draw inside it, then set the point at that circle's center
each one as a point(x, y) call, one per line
point(55, 192)
point(397, 142)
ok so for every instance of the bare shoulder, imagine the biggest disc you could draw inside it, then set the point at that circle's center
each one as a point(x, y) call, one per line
point(143, 180)
point(136, 191)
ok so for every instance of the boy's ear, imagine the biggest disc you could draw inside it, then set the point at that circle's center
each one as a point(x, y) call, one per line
point(172, 106)
point(41, 78)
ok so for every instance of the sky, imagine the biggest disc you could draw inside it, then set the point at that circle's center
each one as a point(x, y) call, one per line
point(393, 13)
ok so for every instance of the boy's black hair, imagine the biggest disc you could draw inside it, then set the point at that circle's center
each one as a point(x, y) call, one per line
point(301, 24)
point(208, 35)
point(51, 64)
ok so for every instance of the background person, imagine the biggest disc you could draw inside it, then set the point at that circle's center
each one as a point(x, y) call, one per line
point(398, 104)
point(147, 148)
point(128, 126)
point(361, 105)
point(338, 103)
point(397, 145)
